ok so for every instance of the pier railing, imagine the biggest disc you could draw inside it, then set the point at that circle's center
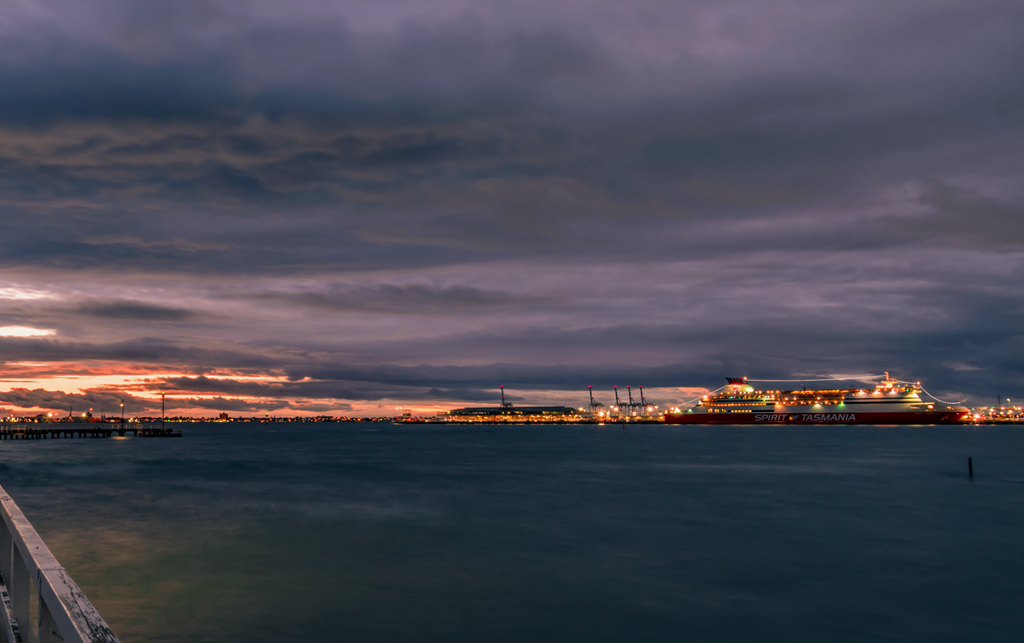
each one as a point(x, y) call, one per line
point(34, 582)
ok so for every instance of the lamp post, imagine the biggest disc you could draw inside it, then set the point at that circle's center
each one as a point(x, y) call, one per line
point(122, 414)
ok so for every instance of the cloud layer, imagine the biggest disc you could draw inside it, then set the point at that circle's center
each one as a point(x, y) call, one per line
point(360, 203)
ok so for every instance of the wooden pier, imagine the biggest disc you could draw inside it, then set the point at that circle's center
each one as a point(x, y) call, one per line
point(55, 430)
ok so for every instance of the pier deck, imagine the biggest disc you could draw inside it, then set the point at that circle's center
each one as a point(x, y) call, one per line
point(46, 431)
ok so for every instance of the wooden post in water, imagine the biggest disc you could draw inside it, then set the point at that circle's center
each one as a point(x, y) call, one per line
point(970, 468)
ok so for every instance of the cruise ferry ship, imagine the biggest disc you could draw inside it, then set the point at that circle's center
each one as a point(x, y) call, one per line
point(890, 402)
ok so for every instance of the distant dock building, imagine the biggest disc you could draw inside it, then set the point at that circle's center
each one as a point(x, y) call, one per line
point(509, 412)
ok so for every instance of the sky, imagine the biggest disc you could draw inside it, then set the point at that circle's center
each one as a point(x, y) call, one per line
point(320, 207)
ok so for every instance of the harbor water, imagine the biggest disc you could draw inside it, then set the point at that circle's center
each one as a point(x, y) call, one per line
point(437, 533)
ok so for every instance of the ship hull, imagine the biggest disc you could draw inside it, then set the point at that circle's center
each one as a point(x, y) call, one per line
point(888, 417)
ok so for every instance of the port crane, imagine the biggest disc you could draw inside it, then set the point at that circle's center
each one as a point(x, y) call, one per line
point(595, 407)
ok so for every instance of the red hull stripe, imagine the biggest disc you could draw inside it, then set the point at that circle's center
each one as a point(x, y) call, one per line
point(907, 417)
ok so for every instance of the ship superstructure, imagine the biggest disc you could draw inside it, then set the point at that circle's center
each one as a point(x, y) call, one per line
point(889, 402)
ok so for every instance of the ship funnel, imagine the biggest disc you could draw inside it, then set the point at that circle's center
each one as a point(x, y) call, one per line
point(738, 385)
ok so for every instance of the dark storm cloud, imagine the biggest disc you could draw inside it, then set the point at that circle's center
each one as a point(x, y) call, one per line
point(805, 350)
point(108, 403)
point(412, 299)
point(325, 72)
point(86, 85)
point(247, 405)
point(105, 402)
point(960, 214)
point(429, 203)
point(322, 389)
point(133, 351)
point(133, 310)
point(522, 171)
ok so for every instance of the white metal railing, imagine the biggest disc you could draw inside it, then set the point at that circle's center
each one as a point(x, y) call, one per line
point(64, 613)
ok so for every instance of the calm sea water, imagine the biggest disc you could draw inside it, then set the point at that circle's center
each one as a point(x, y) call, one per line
point(379, 532)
